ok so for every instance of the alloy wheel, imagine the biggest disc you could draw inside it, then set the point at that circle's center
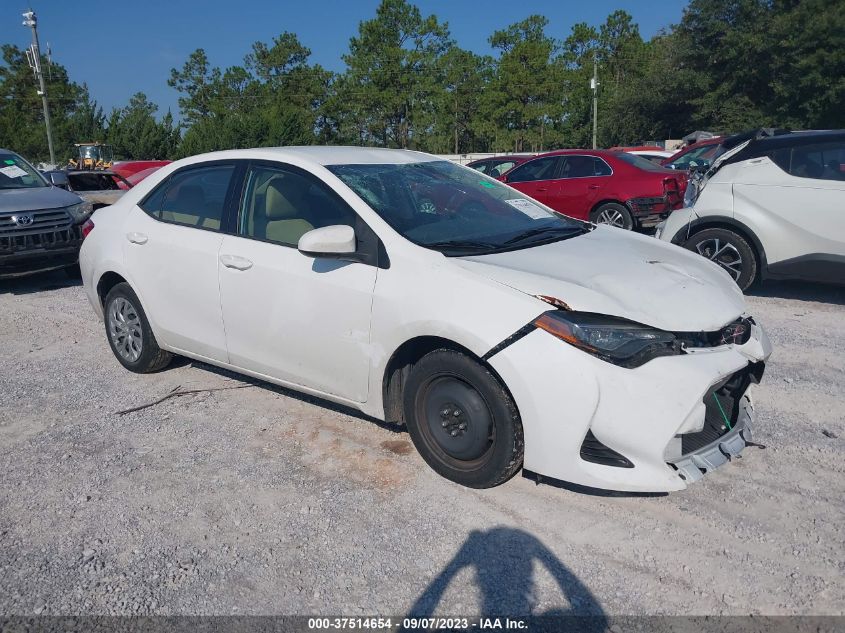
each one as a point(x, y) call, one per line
point(723, 253)
point(125, 329)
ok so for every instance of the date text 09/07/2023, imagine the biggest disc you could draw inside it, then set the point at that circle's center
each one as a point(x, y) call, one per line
point(375, 623)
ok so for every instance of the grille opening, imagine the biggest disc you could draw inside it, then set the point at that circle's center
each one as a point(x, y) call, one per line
point(725, 396)
point(592, 450)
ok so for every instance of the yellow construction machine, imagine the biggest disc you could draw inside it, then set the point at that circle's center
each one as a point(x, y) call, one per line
point(94, 155)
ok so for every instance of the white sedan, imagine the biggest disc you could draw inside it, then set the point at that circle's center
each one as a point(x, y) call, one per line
point(419, 291)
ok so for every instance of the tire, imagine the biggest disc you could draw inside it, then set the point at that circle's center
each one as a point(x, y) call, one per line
point(462, 420)
point(613, 214)
point(729, 250)
point(129, 334)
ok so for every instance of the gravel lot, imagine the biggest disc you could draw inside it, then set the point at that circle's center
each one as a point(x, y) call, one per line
point(260, 501)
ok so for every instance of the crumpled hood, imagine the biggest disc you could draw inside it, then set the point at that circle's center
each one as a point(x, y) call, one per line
point(624, 274)
point(35, 198)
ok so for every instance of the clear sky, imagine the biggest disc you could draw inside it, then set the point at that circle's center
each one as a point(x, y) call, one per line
point(120, 48)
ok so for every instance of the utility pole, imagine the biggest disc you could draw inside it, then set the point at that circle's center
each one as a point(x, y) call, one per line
point(34, 56)
point(594, 85)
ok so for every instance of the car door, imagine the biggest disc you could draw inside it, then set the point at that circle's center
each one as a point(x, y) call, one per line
point(171, 245)
point(535, 178)
point(295, 318)
point(579, 184)
point(803, 188)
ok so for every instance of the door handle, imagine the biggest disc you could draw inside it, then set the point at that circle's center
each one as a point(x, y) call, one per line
point(592, 187)
point(541, 189)
point(233, 261)
point(136, 238)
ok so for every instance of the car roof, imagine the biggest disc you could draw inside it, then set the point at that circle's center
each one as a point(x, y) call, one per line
point(763, 146)
point(503, 157)
point(325, 155)
point(590, 152)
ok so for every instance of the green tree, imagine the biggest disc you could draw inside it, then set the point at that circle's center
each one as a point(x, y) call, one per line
point(526, 90)
point(135, 134)
point(461, 109)
point(75, 116)
point(393, 78)
point(275, 98)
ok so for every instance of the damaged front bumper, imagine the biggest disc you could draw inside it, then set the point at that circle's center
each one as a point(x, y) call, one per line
point(694, 465)
point(653, 428)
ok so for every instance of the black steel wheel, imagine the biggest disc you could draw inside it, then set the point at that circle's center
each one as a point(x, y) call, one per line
point(462, 420)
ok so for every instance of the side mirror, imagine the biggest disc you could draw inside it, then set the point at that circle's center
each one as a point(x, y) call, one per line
point(335, 242)
point(58, 179)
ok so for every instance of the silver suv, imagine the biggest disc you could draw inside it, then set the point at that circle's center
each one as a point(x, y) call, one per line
point(40, 224)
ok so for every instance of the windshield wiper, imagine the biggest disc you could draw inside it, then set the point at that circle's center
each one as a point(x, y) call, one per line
point(561, 231)
point(470, 245)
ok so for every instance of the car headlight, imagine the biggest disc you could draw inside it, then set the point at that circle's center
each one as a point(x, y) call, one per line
point(80, 212)
point(618, 341)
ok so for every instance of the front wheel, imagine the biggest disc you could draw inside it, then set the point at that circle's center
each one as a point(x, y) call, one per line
point(462, 421)
point(613, 214)
point(729, 250)
point(129, 334)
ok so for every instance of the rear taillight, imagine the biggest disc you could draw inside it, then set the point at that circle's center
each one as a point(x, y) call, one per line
point(87, 228)
point(673, 192)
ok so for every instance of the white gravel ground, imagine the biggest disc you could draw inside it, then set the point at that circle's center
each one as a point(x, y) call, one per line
point(260, 501)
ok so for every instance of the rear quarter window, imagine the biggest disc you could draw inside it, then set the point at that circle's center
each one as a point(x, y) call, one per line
point(822, 161)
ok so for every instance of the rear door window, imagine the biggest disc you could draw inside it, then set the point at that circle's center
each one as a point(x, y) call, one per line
point(501, 167)
point(194, 197)
point(583, 167)
point(821, 161)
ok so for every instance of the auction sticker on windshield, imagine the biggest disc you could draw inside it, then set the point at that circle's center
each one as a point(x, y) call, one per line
point(12, 171)
point(531, 209)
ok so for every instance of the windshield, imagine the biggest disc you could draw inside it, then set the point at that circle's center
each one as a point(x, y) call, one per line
point(694, 158)
point(16, 173)
point(455, 209)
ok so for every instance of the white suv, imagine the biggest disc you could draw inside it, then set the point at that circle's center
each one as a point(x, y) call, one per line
point(770, 208)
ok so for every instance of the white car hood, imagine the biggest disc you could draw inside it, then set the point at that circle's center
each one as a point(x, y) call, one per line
point(619, 273)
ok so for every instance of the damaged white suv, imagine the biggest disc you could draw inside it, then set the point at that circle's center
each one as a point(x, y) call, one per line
point(769, 208)
point(418, 291)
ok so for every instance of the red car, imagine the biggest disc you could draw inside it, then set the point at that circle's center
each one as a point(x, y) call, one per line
point(126, 168)
point(698, 154)
point(138, 176)
point(498, 165)
point(604, 186)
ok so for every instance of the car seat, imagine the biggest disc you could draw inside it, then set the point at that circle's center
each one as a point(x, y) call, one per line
point(189, 207)
point(284, 210)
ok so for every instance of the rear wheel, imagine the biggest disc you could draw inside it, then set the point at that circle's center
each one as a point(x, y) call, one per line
point(613, 214)
point(129, 334)
point(729, 250)
point(462, 421)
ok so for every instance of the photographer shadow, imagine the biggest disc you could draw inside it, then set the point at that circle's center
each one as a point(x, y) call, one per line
point(503, 560)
